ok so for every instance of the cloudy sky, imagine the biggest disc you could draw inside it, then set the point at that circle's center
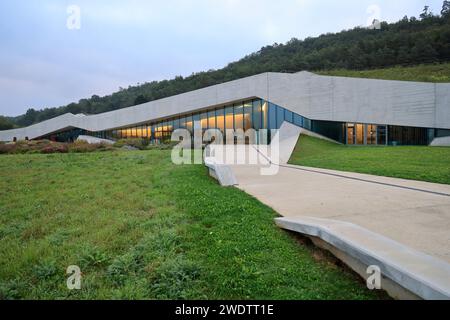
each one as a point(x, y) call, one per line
point(45, 63)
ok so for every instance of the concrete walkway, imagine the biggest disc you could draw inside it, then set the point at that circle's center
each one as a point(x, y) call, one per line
point(413, 213)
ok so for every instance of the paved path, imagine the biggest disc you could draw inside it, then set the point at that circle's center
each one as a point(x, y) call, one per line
point(416, 214)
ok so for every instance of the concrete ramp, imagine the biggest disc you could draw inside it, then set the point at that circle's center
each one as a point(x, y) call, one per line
point(405, 222)
point(284, 143)
point(441, 142)
point(94, 140)
point(407, 273)
point(221, 172)
point(285, 140)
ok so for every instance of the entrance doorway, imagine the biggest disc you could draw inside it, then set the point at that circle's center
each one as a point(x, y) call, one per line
point(350, 133)
point(366, 134)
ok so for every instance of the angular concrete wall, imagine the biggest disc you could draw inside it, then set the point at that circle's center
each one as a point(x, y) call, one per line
point(363, 100)
point(313, 96)
point(94, 140)
point(441, 142)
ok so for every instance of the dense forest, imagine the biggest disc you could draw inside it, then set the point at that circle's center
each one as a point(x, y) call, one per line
point(409, 41)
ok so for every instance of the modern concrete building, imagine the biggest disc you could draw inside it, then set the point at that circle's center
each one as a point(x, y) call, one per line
point(348, 110)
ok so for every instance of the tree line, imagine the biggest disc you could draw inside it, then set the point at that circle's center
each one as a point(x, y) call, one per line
point(410, 41)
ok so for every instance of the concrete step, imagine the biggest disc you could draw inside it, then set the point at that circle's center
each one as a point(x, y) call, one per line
point(407, 273)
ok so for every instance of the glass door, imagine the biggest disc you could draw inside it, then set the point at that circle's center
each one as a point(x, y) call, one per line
point(350, 133)
point(371, 134)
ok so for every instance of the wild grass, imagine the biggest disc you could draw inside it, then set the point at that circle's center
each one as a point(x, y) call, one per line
point(439, 73)
point(140, 227)
point(430, 164)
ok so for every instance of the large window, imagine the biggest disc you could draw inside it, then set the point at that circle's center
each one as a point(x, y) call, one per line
point(220, 119)
point(359, 134)
point(288, 116)
point(280, 117)
point(371, 134)
point(351, 133)
point(298, 120)
point(204, 120)
point(382, 135)
point(229, 118)
point(407, 136)
point(257, 118)
point(264, 114)
point(176, 124)
point(272, 116)
point(238, 116)
point(256, 114)
point(248, 115)
point(212, 119)
point(189, 123)
point(183, 123)
point(196, 121)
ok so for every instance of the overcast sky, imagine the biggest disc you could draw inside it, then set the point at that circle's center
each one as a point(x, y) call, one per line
point(45, 63)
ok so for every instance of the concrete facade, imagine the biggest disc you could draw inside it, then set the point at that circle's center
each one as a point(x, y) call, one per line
point(313, 96)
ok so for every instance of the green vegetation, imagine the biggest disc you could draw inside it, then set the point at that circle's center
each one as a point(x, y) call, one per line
point(410, 41)
point(140, 227)
point(47, 146)
point(421, 73)
point(144, 144)
point(6, 123)
point(416, 163)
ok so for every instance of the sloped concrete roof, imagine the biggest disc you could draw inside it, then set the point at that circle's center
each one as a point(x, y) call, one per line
point(310, 95)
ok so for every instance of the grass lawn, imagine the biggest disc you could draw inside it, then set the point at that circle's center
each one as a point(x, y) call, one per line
point(140, 227)
point(417, 163)
point(421, 73)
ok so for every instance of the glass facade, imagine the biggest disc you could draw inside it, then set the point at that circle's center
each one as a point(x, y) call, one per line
point(260, 114)
point(256, 114)
point(373, 134)
point(366, 134)
point(409, 136)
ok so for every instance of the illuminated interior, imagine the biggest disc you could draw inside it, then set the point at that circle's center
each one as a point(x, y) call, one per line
point(260, 114)
point(242, 115)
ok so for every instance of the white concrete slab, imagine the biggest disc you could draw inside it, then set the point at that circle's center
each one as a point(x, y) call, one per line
point(421, 274)
point(415, 214)
point(441, 142)
point(94, 140)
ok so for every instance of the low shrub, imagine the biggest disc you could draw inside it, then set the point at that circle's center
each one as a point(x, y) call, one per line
point(125, 266)
point(12, 289)
point(41, 146)
point(93, 257)
point(174, 277)
point(7, 148)
point(162, 146)
point(45, 270)
point(139, 143)
point(83, 147)
point(55, 148)
point(48, 147)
